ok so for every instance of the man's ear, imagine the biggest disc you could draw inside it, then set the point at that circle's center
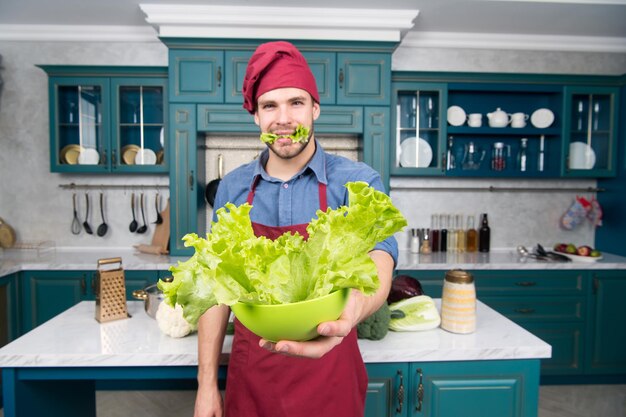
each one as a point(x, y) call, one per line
point(256, 118)
point(316, 110)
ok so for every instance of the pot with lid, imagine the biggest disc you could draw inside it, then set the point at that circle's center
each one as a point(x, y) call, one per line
point(152, 297)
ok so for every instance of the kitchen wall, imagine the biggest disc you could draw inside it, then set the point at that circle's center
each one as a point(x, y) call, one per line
point(34, 204)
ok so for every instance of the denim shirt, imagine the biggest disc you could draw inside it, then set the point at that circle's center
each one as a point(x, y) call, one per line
point(285, 203)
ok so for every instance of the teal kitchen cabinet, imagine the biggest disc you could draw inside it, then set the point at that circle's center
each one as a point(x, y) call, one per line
point(196, 76)
point(48, 293)
point(505, 388)
point(570, 126)
point(387, 390)
point(107, 119)
point(606, 321)
point(550, 304)
point(364, 79)
point(590, 138)
point(9, 313)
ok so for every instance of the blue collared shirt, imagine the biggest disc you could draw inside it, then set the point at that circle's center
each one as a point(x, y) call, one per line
point(285, 203)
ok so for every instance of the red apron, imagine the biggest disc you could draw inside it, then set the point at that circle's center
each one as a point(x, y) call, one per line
point(265, 384)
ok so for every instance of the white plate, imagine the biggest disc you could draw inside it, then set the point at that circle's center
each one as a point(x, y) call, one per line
point(415, 153)
point(456, 116)
point(581, 156)
point(542, 118)
point(145, 157)
point(88, 156)
point(577, 258)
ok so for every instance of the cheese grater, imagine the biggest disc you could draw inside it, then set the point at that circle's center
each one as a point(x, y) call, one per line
point(110, 291)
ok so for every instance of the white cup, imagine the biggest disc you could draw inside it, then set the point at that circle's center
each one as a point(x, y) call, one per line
point(518, 119)
point(475, 120)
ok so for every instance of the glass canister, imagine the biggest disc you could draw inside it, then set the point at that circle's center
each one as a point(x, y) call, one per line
point(458, 302)
point(498, 162)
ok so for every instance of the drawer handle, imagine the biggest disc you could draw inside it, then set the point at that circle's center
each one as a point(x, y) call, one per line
point(525, 310)
point(526, 283)
point(400, 394)
point(420, 392)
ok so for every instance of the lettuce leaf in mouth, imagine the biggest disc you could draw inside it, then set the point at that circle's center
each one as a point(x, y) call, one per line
point(299, 135)
point(233, 265)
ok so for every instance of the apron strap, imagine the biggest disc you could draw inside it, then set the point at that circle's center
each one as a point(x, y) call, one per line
point(321, 189)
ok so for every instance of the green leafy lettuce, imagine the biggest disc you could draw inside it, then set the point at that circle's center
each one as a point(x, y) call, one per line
point(300, 134)
point(233, 265)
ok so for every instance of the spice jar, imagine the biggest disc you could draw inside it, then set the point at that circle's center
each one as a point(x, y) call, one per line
point(458, 302)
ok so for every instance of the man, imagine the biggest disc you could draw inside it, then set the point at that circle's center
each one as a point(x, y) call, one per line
point(286, 185)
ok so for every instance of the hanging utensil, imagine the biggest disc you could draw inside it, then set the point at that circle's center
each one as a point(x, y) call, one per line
point(133, 225)
point(86, 222)
point(144, 227)
point(75, 222)
point(211, 188)
point(159, 219)
point(104, 227)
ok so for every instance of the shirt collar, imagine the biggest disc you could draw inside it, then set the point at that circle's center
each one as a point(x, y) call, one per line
point(317, 165)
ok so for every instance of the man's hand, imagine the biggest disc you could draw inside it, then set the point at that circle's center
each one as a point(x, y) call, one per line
point(331, 333)
point(208, 403)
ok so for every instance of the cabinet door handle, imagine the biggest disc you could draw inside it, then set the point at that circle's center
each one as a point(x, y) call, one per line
point(114, 158)
point(443, 162)
point(83, 285)
point(341, 77)
point(525, 310)
point(526, 283)
point(400, 393)
point(420, 391)
point(191, 180)
point(219, 76)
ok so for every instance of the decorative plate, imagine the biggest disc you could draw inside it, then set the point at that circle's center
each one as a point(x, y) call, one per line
point(415, 153)
point(581, 156)
point(542, 118)
point(128, 154)
point(88, 156)
point(145, 157)
point(456, 116)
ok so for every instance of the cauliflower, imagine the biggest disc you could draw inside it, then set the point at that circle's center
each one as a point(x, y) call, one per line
point(171, 321)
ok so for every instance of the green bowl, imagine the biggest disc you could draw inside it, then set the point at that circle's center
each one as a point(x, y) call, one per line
point(293, 321)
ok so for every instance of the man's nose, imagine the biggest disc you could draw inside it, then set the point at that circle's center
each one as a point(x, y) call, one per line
point(284, 115)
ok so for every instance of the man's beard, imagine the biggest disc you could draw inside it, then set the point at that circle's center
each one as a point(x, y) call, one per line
point(291, 151)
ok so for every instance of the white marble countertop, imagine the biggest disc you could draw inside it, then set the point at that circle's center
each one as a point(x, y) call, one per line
point(65, 259)
point(75, 339)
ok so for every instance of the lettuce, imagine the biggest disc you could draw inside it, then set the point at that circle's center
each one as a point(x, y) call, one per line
point(233, 265)
point(300, 134)
point(414, 314)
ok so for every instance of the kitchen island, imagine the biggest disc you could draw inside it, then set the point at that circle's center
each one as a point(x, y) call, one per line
point(55, 369)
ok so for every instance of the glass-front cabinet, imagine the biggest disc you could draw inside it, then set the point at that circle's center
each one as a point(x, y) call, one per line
point(503, 125)
point(589, 140)
point(418, 143)
point(107, 119)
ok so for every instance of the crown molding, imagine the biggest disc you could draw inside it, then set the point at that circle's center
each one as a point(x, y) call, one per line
point(80, 33)
point(302, 23)
point(501, 41)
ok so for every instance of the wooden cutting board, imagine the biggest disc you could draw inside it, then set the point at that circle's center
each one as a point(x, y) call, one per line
point(161, 235)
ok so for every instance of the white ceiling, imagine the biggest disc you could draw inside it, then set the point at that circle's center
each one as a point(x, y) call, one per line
point(601, 21)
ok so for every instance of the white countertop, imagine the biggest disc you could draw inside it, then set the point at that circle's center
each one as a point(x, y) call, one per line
point(65, 259)
point(75, 339)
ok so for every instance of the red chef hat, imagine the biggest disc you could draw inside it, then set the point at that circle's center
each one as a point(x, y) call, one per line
point(276, 65)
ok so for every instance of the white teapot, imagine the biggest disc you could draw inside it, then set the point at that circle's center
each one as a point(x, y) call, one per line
point(498, 118)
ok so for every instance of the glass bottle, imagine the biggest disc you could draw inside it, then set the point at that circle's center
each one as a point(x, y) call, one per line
point(425, 245)
point(541, 156)
point(450, 162)
point(443, 233)
point(434, 233)
point(484, 235)
point(451, 234)
point(461, 239)
point(521, 156)
point(414, 244)
point(497, 158)
point(472, 235)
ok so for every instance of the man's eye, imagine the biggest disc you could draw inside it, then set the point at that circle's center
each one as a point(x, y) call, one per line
point(267, 106)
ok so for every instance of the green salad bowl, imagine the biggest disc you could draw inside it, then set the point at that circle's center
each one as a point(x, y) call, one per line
point(292, 321)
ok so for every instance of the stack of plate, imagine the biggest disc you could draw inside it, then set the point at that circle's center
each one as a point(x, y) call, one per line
point(129, 152)
point(415, 153)
point(145, 157)
point(69, 154)
point(88, 156)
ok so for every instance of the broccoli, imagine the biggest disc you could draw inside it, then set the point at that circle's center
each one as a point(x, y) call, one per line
point(376, 326)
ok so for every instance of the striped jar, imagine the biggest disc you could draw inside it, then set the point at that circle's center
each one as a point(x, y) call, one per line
point(458, 303)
